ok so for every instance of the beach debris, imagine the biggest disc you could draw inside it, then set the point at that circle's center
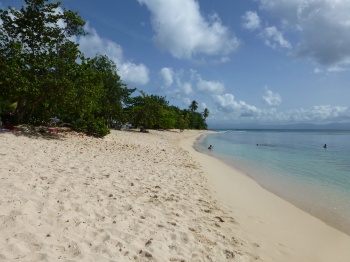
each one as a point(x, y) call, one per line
point(220, 219)
point(229, 254)
point(146, 254)
point(149, 242)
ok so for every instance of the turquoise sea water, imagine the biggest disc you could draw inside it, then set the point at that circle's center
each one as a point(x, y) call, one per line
point(293, 165)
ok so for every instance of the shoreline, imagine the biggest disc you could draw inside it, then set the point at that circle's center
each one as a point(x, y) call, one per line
point(134, 196)
point(286, 190)
point(282, 231)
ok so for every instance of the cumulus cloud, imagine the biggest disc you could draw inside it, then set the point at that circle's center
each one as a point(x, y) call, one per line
point(270, 34)
point(337, 68)
point(274, 38)
point(251, 20)
point(187, 88)
point(228, 104)
point(238, 111)
point(186, 102)
point(323, 113)
point(271, 99)
point(228, 108)
point(167, 75)
point(181, 30)
point(323, 26)
point(182, 83)
point(93, 44)
point(203, 106)
point(211, 87)
point(177, 84)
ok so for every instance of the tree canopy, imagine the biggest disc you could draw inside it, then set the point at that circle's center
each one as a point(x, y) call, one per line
point(44, 74)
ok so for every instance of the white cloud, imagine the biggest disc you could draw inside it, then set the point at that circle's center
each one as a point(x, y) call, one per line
point(134, 74)
point(228, 104)
point(272, 99)
point(323, 26)
point(167, 75)
point(181, 30)
point(177, 84)
point(228, 109)
point(317, 70)
point(251, 20)
point(273, 37)
point(186, 102)
point(92, 44)
point(238, 111)
point(337, 68)
point(332, 69)
point(323, 113)
point(186, 88)
point(212, 87)
point(181, 83)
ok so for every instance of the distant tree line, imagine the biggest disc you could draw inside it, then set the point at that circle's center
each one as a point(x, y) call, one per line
point(43, 74)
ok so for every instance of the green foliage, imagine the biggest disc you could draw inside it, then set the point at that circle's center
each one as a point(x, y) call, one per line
point(205, 113)
point(194, 106)
point(37, 55)
point(147, 110)
point(115, 93)
point(43, 74)
point(197, 121)
point(92, 126)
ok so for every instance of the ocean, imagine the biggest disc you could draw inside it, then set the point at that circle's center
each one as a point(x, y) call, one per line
point(294, 165)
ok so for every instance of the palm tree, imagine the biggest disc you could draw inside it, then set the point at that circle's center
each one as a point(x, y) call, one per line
point(205, 113)
point(194, 106)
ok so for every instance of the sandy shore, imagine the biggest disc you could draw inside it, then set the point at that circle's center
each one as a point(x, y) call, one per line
point(282, 231)
point(135, 196)
point(130, 196)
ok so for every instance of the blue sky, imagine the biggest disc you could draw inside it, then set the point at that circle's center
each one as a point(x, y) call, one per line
point(247, 61)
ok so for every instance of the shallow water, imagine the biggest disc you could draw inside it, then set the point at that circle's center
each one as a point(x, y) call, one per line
point(293, 165)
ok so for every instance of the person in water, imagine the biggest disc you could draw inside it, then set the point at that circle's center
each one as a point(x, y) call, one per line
point(210, 147)
point(325, 146)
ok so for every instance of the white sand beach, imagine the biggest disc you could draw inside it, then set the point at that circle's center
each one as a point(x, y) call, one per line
point(135, 196)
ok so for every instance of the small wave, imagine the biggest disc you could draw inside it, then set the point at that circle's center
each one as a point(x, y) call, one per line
point(222, 131)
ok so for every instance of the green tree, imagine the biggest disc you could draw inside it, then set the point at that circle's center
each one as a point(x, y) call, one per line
point(115, 92)
point(43, 74)
point(197, 121)
point(205, 113)
point(37, 57)
point(151, 111)
point(194, 106)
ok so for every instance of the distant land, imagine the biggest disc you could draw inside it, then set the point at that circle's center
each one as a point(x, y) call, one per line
point(300, 126)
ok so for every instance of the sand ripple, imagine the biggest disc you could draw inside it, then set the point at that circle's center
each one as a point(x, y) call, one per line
point(127, 197)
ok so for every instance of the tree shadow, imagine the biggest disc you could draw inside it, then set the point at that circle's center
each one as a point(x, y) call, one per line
point(40, 132)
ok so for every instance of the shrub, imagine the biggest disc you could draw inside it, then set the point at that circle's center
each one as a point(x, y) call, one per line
point(91, 126)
